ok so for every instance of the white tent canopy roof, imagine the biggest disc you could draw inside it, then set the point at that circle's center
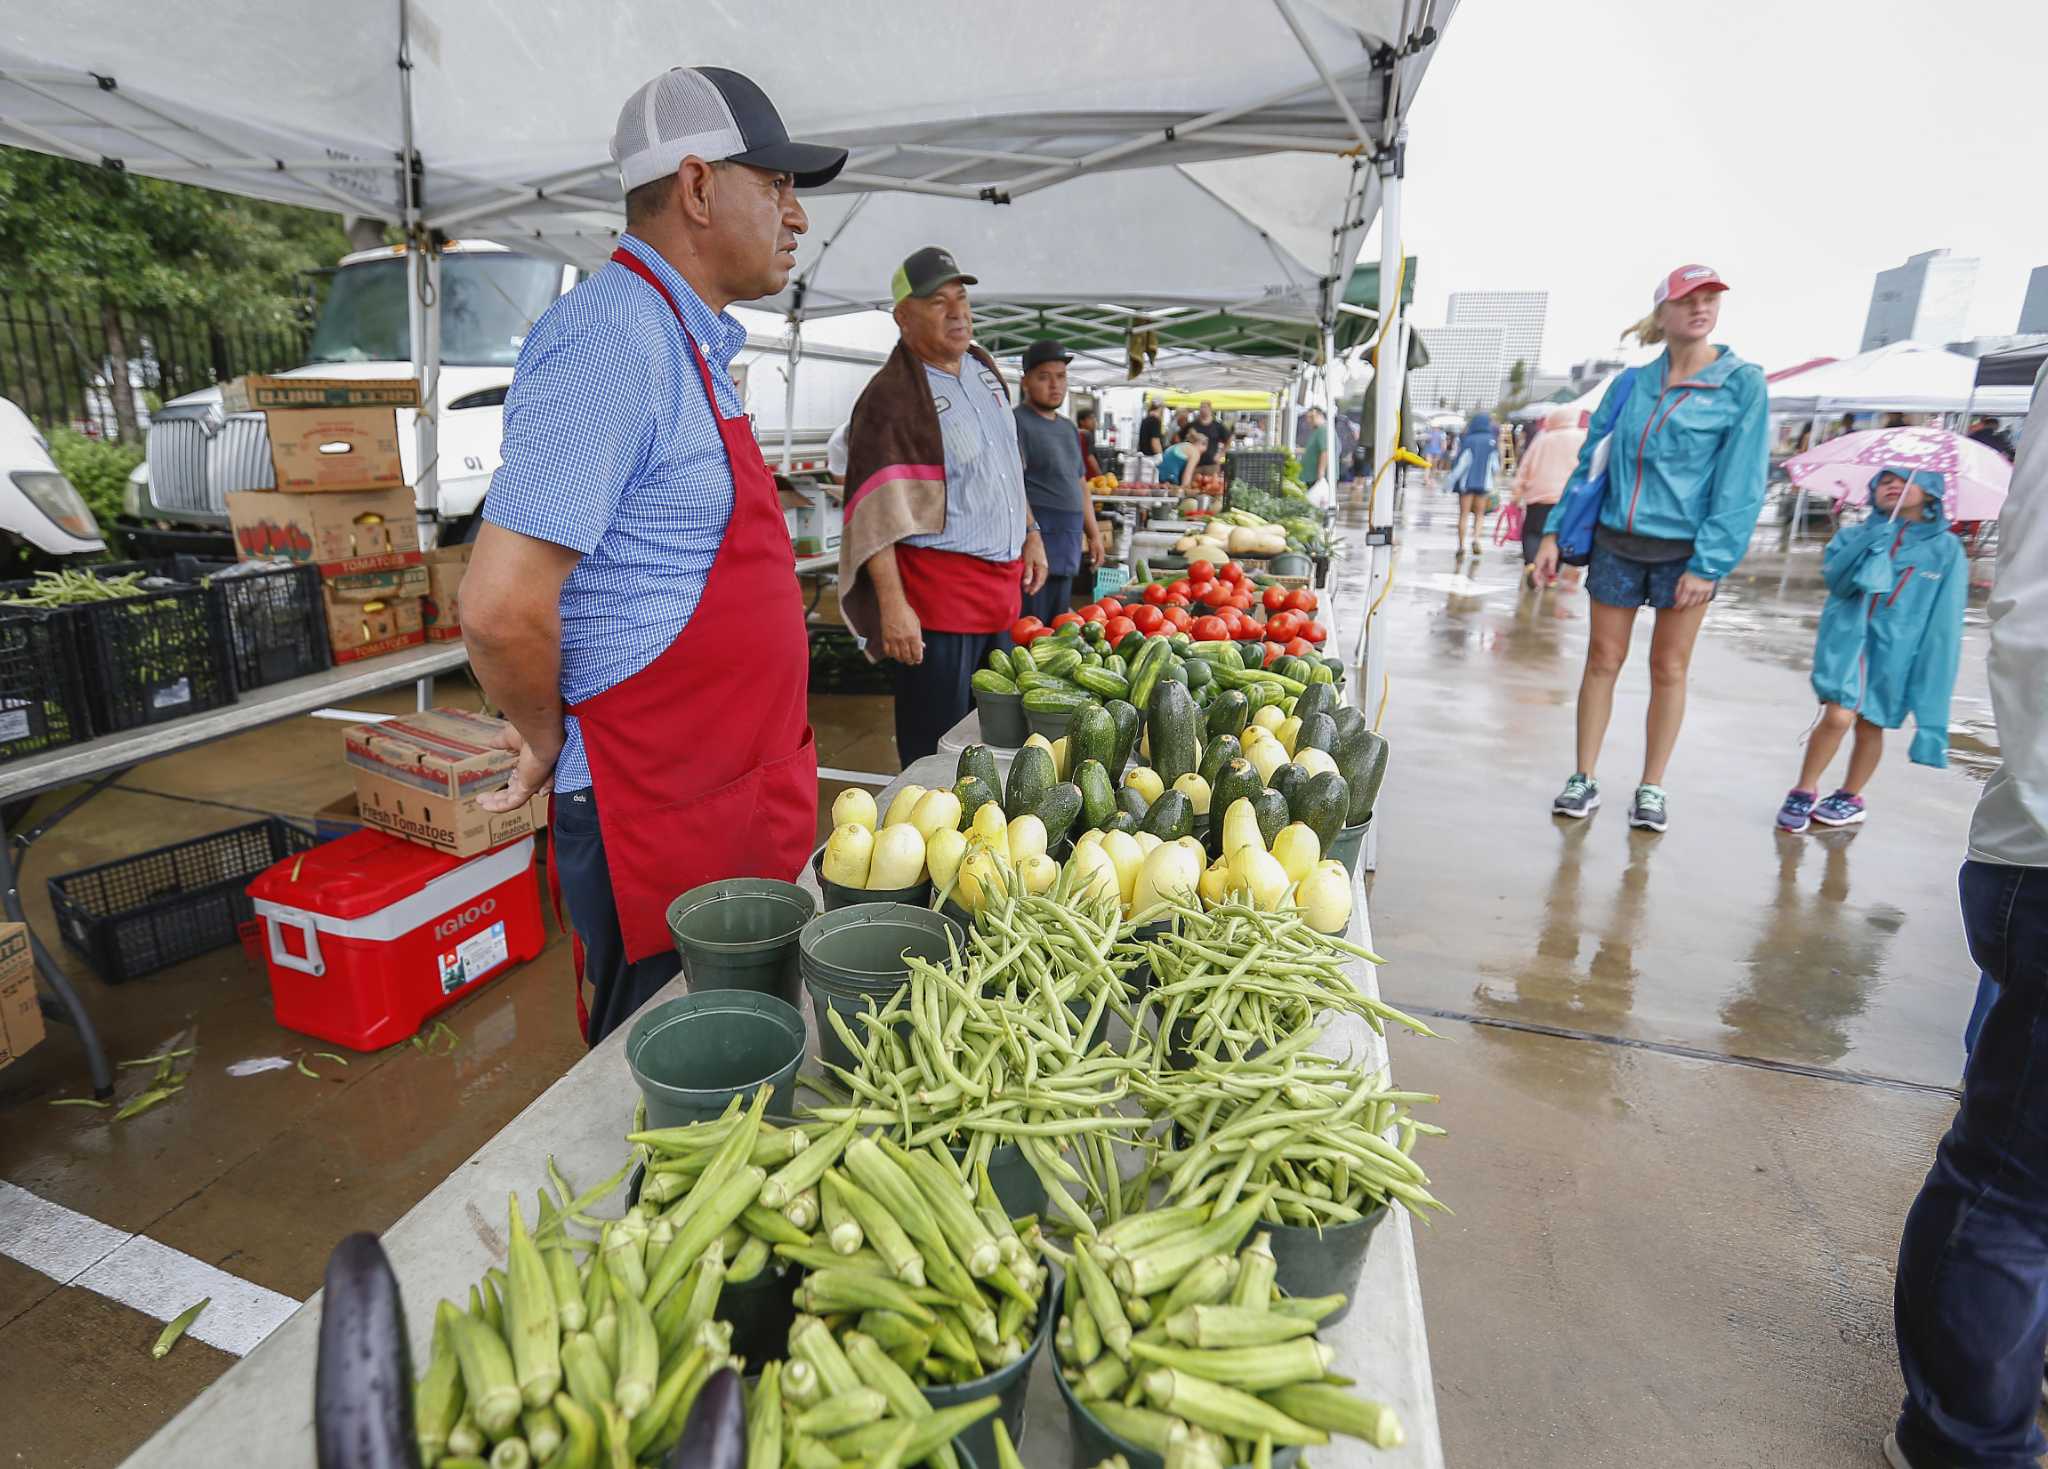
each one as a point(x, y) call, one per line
point(512, 102)
point(1905, 377)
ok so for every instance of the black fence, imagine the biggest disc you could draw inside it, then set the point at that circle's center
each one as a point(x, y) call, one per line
point(58, 365)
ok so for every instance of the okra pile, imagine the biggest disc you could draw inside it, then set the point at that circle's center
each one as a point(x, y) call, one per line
point(905, 1275)
point(1177, 1341)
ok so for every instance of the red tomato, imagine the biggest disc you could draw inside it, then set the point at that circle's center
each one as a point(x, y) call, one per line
point(1023, 628)
point(1178, 616)
point(1184, 589)
point(1148, 618)
point(1066, 618)
point(1282, 626)
point(1301, 599)
point(1314, 632)
point(1273, 651)
point(1117, 629)
point(1155, 594)
point(1249, 629)
point(1275, 599)
point(1231, 572)
point(1173, 601)
point(1093, 613)
point(1111, 606)
point(1298, 646)
point(1210, 630)
point(1201, 571)
point(1242, 601)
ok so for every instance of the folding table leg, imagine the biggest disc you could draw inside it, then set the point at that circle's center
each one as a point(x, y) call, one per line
point(73, 1007)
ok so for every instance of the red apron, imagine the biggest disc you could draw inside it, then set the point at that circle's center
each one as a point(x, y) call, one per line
point(703, 761)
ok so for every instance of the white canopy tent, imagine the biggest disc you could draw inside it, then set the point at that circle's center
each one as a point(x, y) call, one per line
point(491, 118)
point(1904, 377)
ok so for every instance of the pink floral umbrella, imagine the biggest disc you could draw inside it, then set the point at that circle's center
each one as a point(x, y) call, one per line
point(1977, 477)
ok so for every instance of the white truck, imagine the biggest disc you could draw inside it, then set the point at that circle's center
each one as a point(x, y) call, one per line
point(491, 296)
point(39, 507)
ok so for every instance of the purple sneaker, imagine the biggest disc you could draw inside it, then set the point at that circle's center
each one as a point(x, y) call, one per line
point(1840, 809)
point(1795, 815)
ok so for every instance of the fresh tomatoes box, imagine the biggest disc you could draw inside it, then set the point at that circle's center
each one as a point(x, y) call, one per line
point(368, 937)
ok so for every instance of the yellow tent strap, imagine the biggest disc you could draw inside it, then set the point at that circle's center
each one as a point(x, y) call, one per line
point(1398, 455)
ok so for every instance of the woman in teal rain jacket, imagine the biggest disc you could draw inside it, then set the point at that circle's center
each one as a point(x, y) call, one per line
point(1891, 637)
point(1688, 444)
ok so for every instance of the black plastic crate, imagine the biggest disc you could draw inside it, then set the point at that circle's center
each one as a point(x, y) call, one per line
point(42, 697)
point(1258, 469)
point(276, 622)
point(136, 915)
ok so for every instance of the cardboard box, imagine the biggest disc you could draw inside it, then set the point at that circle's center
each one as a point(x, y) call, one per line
point(337, 818)
point(445, 567)
point(367, 629)
point(418, 776)
point(328, 435)
point(371, 531)
point(21, 1023)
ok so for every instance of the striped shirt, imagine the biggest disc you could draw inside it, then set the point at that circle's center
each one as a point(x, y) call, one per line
point(984, 471)
point(612, 451)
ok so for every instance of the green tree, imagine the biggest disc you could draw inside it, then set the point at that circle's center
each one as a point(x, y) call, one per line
point(1518, 378)
point(93, 242)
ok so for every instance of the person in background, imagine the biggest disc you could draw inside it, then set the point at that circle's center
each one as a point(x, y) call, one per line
point(932, 570)
point(1181, 418)
point(1348, 456)
point(1084, 425)
point(1178, 465)
point(1973, 1257)
point(1050, 446)
point(633, 539)
point(1689, 439)
point(1889, 645)
point(1540, 478)
point(1472, 475)
point(1986, 432)
point(1215, 432)
point(1152, 430)
point(1433, 447)
point(1315, 446)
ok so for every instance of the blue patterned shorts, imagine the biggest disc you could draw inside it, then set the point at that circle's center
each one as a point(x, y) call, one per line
point(1623, 581)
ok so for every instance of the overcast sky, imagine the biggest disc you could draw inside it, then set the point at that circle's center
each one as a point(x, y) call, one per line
point(1798, 146)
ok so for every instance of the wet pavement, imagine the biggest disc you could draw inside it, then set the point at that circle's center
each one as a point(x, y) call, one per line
point(1692, 1080)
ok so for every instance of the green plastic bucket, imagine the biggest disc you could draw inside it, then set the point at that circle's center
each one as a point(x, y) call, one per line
point(1323, 1262)
point(1052, 726)
point(861, 948)
point(1006, 1383)
point(693, 1055)
point(1010, 1174)
point(760, 1311)
point(1139, 975)
point(740, 934)
point(1348, 843)
point(1002, 718)
point(1091, 1441)
point(917, 895)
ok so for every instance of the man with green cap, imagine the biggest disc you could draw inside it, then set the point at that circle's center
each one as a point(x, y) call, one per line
point(940, 545)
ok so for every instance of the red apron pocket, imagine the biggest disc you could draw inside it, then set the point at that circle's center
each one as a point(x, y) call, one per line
point(657, 853)
point(786, 826)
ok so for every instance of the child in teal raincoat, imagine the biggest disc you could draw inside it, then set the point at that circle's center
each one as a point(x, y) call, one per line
point(1890, 640)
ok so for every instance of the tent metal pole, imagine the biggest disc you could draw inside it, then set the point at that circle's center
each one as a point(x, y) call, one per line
point(796, 354)
point(1390, 367)
point(422, 306)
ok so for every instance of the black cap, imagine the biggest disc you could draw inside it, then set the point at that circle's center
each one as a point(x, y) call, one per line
point(715, 114)
point(925, 271)
point(1045, 350)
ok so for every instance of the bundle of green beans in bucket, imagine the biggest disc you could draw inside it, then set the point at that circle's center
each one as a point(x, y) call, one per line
point(855, 959)
point(1176, 1345)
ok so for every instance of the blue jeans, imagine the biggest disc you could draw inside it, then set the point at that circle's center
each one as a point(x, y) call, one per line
point(1971, 1302)
point(618, 986)
point(1987, 995)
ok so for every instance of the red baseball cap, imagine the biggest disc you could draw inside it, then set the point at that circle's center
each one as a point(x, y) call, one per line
point(1685, 280)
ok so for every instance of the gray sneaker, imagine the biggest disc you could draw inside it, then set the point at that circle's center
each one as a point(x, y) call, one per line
point(1647, 814)
point(1580, 797)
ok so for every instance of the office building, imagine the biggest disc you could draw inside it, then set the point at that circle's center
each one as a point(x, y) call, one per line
point(2034, 310)
point(1467, 367)
point(1925, 300)
point(1520, 315)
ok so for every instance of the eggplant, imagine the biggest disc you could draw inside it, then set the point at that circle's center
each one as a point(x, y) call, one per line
point(362, 1385)
point(715, 1433)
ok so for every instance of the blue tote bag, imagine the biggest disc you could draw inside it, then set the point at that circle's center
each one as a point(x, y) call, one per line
point(1578, 511)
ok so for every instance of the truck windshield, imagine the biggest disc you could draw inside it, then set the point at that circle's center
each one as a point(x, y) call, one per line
point(488, 304)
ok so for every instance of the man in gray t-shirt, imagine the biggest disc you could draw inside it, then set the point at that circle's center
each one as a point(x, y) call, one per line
point(1050, 446)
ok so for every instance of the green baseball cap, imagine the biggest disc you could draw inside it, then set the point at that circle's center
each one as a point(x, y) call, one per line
point(925, 271)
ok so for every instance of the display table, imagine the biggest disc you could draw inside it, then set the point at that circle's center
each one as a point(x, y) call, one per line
point(260, 1411)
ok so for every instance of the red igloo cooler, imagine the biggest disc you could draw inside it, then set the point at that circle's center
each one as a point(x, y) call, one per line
point(368, 936)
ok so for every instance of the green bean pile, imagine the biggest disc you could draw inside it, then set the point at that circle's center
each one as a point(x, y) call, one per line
point(71, 588)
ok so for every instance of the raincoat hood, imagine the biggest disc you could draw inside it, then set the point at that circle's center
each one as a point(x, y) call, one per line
point(1481, 424)
point(1566, 417)
point(1933, 483)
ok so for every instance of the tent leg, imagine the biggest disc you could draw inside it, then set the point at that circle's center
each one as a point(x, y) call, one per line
point(423, 314)
point(1390, 368)
point(796, 353)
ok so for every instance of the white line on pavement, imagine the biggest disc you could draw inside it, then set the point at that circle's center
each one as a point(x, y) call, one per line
point(76, 1249)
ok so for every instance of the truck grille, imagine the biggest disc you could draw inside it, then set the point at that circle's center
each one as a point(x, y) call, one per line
point(190, 471)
